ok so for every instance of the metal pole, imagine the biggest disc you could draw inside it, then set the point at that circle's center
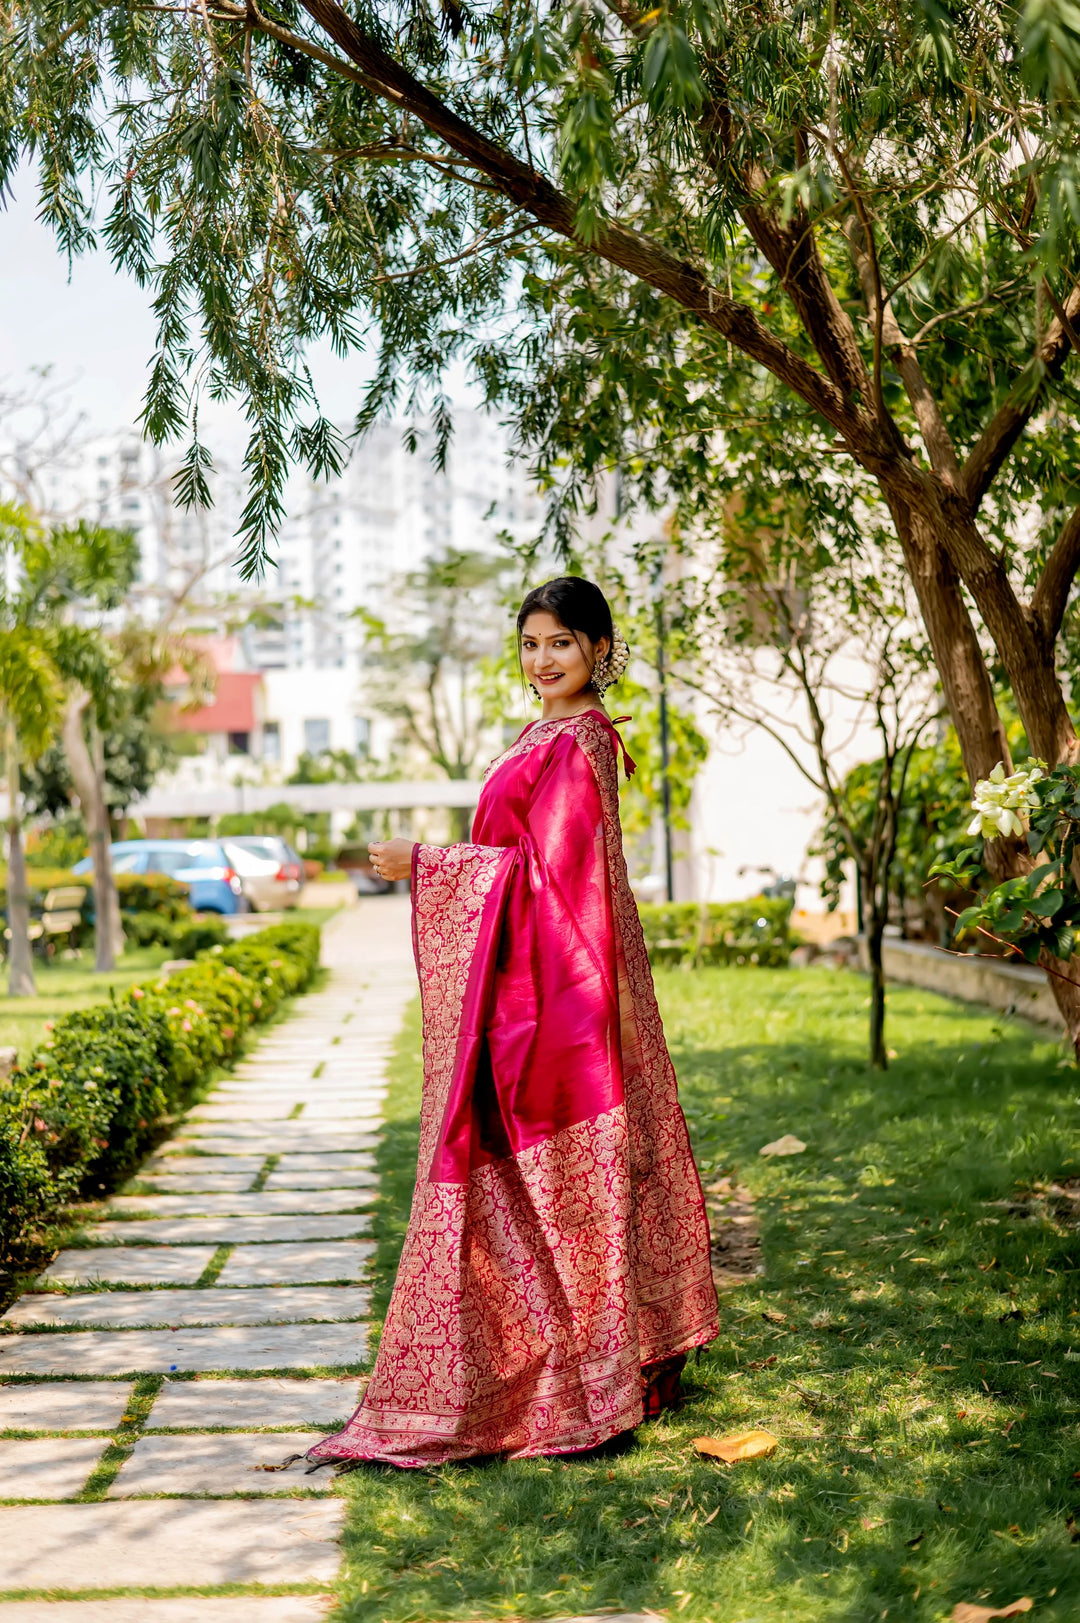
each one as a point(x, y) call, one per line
point(665, 774)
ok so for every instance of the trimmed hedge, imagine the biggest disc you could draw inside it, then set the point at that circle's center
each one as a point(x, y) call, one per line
point(146, 893)
point(80, 1114)
point(692, 933)
point(184, 939)
point(155, 909)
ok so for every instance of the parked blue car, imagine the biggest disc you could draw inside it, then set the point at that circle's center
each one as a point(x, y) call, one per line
point(203, 865)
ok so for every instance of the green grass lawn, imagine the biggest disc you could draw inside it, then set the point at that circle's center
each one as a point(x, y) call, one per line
point(65, 986)
point(920, 1363)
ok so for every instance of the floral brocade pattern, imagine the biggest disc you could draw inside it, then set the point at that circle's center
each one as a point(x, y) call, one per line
point(529, 1297)
point(450, 888)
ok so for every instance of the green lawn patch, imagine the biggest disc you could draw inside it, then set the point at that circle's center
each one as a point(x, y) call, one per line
point(920, 1362)
point(62, 987)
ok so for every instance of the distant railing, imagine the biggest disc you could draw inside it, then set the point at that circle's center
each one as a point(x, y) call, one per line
point(306, 797)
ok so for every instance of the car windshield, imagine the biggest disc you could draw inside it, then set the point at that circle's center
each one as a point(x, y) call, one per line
point(267, 847)
point(126, 861)
point(247, 861)
point(175, 858)
point(202, 856)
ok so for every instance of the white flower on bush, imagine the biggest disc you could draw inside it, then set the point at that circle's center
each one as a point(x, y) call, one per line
point(1002, 803)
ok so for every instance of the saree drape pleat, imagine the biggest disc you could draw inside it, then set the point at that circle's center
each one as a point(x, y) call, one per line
point(558, 1240)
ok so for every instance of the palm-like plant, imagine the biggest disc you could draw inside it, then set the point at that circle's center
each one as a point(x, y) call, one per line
point(56, 583)
point(31, 700)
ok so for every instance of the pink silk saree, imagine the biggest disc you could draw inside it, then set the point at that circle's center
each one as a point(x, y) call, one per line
point(558, 1240)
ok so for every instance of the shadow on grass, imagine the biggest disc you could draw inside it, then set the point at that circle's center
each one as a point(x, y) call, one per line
point(914, 1345)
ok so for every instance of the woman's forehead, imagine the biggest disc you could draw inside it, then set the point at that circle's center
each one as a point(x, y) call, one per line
point(542, 623)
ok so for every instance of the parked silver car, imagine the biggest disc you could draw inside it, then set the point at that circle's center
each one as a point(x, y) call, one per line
point(271, 872)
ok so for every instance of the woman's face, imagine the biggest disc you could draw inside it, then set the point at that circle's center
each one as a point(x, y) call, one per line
point(558, 663)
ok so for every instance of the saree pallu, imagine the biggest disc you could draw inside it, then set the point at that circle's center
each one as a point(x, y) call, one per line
point(558, 1240)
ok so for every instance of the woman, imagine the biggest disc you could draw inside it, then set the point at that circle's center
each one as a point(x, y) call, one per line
point(556, 1268)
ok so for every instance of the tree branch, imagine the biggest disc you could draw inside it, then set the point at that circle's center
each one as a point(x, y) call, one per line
point(792, 251)
point(1051, 592)
point(485, 240)
point(936, 437)
point(1019, 406)
point(624, 247)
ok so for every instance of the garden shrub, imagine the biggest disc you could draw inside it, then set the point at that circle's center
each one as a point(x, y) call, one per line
point(205, 930)
point(28, 1188)
point(99, 1082)
point(184, 937)
point(150, 893)
point(79, 1114)
point(756, 931)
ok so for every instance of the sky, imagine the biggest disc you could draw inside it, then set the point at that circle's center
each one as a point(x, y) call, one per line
point(94, 327)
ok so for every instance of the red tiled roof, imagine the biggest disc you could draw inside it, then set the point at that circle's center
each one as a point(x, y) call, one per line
point(232, 710)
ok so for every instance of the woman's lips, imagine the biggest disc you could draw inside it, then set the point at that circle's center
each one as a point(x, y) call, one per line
point(556, 678)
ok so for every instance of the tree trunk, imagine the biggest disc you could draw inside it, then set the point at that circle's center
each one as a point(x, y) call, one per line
point(20, 959)
point(1026, 648)
point(969, 695)
point(97, 754)
point(960, 662)
point(879, 1058)
point(95, 815)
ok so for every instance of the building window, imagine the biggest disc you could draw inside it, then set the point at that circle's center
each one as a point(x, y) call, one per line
point(316, 735)
point(239, 743)
point(271, 741)
point(361, 735)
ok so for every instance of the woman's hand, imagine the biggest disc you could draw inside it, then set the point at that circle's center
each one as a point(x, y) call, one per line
point(392, 859)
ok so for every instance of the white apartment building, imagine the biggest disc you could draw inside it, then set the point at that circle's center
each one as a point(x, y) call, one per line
point(343, 549)
point(348, 540)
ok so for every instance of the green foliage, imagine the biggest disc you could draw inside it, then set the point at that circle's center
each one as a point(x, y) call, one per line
point(136, 749)
point(1039, 911)
point(30, 690)
point(287, 820)
point(277, 961)
point(82, 1110)
point(756, 931)
point(331, 766)
point(252, 140)
point(184, 936)
point(937, 797)
point(281, 818)
point(97, 1083)
point(28, 1188)
point(642, 795)
point(153, 893)
point(60, 843)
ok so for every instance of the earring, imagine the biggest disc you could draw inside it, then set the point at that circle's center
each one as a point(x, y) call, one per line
point(606, 671)
point(534, 693)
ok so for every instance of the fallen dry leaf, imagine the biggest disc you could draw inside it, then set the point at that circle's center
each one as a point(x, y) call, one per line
point(869, 1523)
point(738, 1445)
point(966, 1611)
point(788, 1145)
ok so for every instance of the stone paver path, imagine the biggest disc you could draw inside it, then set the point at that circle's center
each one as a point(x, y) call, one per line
point(236, 1259)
